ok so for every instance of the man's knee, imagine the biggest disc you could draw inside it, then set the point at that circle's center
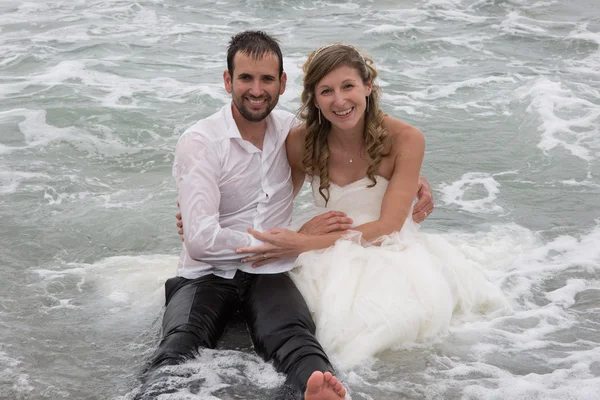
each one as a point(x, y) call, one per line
point(178, 347)
point(277, 299)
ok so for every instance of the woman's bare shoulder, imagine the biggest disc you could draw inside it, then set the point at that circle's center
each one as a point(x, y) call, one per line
point(403, 136)
point(297, 135)
point(295, 145)
point(398, 129)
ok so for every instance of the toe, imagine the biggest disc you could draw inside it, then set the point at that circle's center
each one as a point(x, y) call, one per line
point(333, 381)
point(315, 382)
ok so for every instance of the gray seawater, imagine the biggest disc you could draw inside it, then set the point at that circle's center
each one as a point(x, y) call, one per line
point(94, 94)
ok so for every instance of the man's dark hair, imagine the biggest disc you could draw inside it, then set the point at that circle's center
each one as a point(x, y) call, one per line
point(254, 44)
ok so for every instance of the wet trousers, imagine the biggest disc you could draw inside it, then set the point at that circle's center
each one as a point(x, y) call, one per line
point(279, 322)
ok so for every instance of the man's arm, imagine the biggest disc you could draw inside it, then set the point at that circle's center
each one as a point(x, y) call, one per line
point(333, 221)
point(197, 170)
point(424, 206)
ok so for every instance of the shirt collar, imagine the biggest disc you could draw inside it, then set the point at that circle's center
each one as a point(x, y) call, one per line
point(273, 126)
point(232, 129)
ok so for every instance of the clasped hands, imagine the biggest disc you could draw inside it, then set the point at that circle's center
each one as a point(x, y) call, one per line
point(281, 243)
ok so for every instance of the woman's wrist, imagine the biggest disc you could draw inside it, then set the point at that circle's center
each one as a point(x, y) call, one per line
point(306, 243)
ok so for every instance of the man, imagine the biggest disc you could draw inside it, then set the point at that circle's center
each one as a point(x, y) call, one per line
point(232, 173)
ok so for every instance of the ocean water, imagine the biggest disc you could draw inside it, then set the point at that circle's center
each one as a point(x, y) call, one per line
point(94, 94)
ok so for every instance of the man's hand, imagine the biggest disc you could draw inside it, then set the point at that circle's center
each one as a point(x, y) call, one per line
point(331, 221)
point(179, 223)
point(277, 245)
point(424, 206)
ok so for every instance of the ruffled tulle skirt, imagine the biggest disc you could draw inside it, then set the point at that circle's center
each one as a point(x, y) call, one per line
point(366, 299)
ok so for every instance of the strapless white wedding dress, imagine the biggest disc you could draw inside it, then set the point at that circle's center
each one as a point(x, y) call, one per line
point(368, 299)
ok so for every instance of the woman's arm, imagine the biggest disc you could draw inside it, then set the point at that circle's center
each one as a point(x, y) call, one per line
point(294, 145)
point(408, 148)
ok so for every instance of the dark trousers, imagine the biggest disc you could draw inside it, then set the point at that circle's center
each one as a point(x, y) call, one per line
point(280, 324)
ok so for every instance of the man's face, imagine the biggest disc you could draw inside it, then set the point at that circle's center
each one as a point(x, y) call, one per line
point(255, 85)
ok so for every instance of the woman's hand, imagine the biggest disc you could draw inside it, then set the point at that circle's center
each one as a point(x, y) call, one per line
point(278, 245)
point(331, 221)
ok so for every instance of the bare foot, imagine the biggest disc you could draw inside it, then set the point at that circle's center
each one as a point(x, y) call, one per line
point(324, 386)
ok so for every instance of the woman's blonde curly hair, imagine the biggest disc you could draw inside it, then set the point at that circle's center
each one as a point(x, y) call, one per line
point(316, 151)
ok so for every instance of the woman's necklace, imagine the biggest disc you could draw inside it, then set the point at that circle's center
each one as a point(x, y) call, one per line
point(355, 154)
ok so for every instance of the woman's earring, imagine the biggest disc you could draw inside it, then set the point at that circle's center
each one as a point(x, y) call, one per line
point(367, 103)
point(319, 115)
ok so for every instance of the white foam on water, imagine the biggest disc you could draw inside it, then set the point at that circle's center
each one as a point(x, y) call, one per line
point(547, 269)
point(9, 59)
point(37, 132)
point(120, 92)
point(444, 4)
point(388, 28)
point(497, 249)
point(121, 291)
point(143, 23)
point(455, 193)
point(534, 352)
point(343, 5)
point(567, 120)
point(589, 64)
point(122, 294)
point(126, 291)
point(399, 20)
point(527, 5)
point(109, 199)
point(27, 7)
point(29, 12)
point(581, 32)
point(408, 104)
point(422, 69)
point(217, 370)
point(10, 180)
point(11, 370)
point(458, 15)
point(475, 43)
point(516, 24)
point(587, 182)
point(438, 92)
point(497, 384)
point(54, 198)
point(565, 296)
point(32, 124)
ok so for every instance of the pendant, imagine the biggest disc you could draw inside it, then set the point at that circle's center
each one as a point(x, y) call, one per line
point(350, 160)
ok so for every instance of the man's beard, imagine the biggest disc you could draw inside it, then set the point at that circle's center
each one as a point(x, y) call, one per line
point(253, 116)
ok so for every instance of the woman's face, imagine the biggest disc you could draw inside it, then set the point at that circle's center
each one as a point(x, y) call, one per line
point(341, 96)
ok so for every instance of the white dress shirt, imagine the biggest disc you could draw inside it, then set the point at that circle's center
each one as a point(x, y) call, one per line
point(226, 185)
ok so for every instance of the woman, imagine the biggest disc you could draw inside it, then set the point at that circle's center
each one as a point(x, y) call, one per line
point(384, 283)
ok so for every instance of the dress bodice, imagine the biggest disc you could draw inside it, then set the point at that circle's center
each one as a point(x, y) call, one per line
point(356, 199)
